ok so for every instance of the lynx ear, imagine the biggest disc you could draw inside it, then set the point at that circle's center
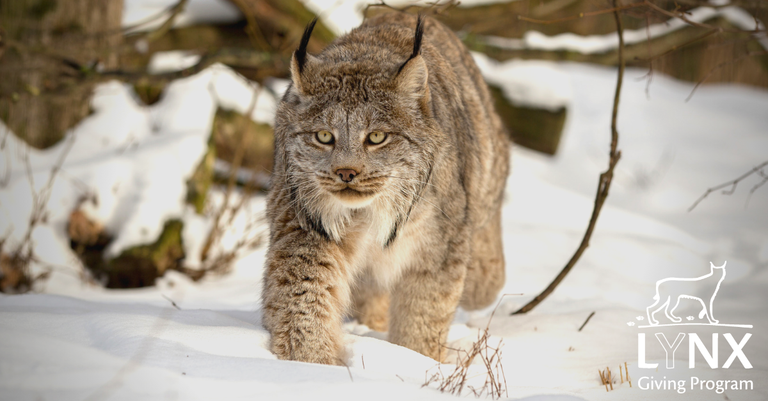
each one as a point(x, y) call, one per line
point(412, 79)
point(301, 60)
point(412, 76)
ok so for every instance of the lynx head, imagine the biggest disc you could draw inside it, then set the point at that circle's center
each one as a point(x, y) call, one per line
point(712, 265)
point(354, 131)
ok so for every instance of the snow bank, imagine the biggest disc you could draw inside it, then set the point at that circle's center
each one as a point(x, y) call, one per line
point(593, 44)
point(528, 83)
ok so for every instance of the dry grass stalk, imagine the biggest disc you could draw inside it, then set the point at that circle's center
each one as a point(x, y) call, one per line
point(495, 383)
point(626, 370)
point(603, 381)
point(15, 264)
point(610, 377)
point(221, 263)
point(621, 374)
point(607, 379)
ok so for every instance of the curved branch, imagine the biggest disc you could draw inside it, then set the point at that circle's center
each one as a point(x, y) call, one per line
point(604, 183)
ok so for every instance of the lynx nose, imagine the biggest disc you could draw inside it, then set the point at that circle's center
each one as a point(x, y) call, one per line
point(346, 175)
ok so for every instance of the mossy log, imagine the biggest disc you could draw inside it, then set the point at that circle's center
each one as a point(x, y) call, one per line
point(138, 266)
point(228, 130)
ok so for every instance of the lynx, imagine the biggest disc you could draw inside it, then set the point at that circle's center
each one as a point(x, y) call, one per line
point(390, 166)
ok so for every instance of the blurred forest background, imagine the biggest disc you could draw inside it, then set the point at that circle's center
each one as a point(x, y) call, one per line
point(53, 53)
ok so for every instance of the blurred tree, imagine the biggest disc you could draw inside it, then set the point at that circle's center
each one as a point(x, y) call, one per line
point(46, 46)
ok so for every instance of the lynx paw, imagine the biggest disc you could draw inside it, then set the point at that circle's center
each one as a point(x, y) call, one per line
point(303, 352)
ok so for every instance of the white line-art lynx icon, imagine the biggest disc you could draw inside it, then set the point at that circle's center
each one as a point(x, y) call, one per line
point(674, 289)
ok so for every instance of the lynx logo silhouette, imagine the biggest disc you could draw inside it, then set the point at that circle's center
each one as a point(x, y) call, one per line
point(669, 294)
point(673, 290)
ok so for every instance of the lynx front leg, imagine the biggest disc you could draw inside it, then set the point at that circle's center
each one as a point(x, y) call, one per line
point(424, 301)
point(306, 292)
point(370, 303)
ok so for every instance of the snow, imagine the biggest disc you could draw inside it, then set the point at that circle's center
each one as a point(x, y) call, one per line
point(593, 44)
point(171, 61)
point(152, 13)
point(74, 340)
point(528, 83)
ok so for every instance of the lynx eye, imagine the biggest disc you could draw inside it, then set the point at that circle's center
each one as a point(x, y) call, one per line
point(377, 137)
point(324, 137)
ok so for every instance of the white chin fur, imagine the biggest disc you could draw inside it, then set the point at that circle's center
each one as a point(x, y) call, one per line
point(356, 203)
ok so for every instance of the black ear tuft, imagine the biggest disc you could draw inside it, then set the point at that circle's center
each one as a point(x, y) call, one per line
point(416, 41)
point(417, 38)
point(301, 52)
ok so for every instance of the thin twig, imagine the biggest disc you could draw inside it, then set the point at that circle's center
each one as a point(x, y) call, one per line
point(681, 15)
point(168, 24)
point(580, 15)
point(678, 47)
point(758, 185)
point(721, 65)
point(732, 184)
point(587, 321)
point(171, 301)
point(604, 182)
point(145, 21)
point(495, 383)
point(24, 255)
point(236, 163)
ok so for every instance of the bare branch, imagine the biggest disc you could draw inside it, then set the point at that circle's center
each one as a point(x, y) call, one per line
point(604, 182)
point(150, 19)
point(678, 47)
point(168, 24)
point(758, 185)
point(733, 183)
point(580, 15)
point(682, 15)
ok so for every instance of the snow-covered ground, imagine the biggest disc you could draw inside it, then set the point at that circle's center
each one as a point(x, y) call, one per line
point(93, 343)
point(72, 340)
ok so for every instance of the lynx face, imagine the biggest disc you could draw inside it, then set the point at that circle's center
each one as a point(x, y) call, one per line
point(355, 155)
point(350, 148)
